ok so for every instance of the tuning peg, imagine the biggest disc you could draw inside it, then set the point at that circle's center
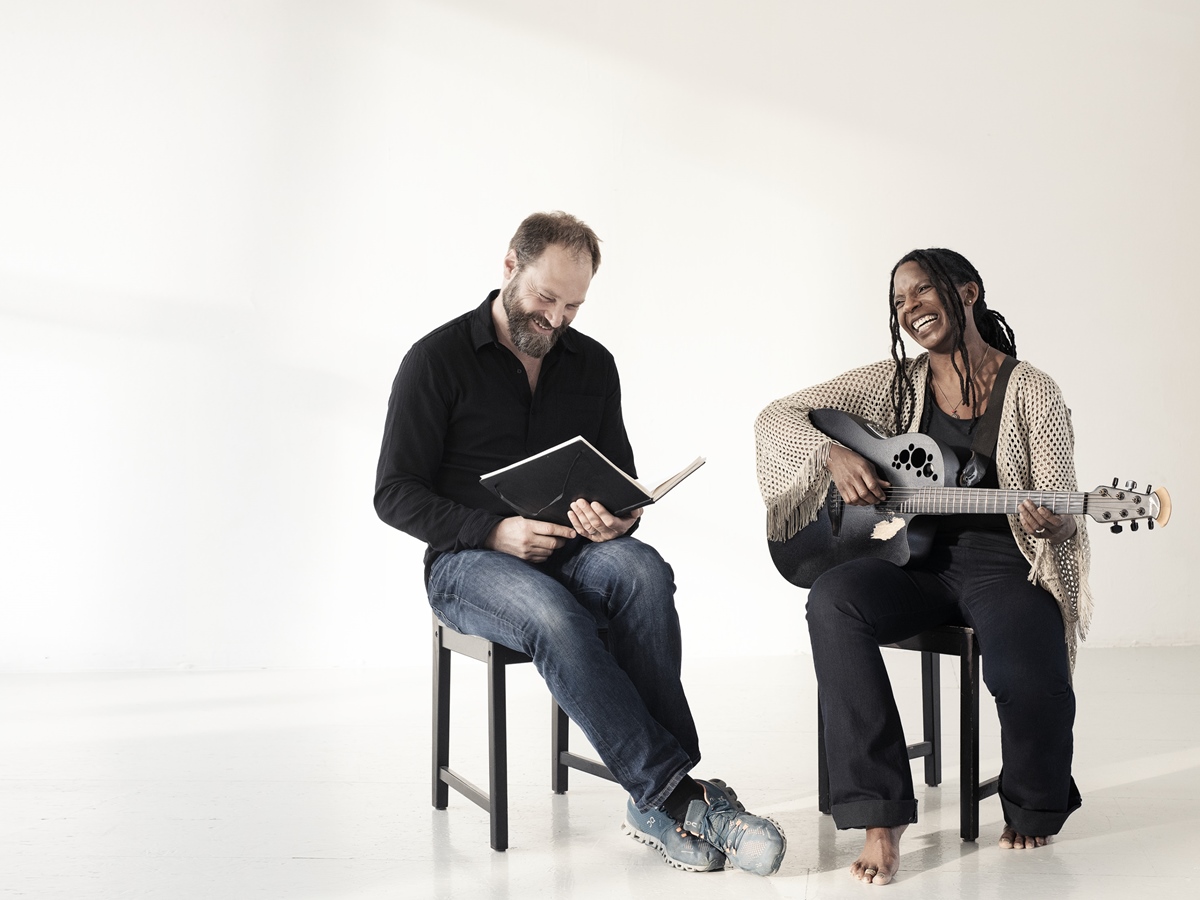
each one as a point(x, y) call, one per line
point(1150, 524)
point(1116, 529)
point(1149, 489)
point(1132, 485)
point(1133, 526)
point(1116, 481)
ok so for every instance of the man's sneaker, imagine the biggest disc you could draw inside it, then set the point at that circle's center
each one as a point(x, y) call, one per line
point(750, 842)
point(730, 793)
point(680, 849)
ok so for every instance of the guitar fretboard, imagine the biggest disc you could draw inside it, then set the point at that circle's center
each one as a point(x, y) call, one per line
point(953, 501)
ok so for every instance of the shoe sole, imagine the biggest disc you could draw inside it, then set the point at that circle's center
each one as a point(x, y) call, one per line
point(651, 841)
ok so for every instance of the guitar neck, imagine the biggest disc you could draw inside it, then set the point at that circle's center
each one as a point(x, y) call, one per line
point(941, 501)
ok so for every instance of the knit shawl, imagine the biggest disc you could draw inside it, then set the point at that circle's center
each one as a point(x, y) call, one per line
point(1035, 450)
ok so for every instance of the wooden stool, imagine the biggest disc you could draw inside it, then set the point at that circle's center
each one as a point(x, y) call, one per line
point(495, 801)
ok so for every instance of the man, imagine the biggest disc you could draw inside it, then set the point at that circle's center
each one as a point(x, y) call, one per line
point(495, 385)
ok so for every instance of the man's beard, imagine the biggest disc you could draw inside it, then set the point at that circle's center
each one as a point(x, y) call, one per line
point(525, 336)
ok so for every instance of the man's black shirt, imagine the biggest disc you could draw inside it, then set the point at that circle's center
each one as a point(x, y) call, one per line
point(461, 407)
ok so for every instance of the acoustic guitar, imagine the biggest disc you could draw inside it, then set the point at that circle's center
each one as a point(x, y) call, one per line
point(923, 474)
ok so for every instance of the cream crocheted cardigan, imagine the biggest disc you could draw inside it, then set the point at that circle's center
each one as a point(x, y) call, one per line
point(1034, 451)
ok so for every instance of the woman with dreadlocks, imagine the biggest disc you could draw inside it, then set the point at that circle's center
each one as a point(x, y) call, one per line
point(1020, 581)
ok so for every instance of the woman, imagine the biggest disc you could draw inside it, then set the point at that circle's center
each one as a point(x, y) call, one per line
point(1020, 581)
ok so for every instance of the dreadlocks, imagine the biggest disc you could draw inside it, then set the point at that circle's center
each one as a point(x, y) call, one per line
point(948, 271)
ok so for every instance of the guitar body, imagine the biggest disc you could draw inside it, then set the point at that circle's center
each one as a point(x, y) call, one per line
point(842, 532)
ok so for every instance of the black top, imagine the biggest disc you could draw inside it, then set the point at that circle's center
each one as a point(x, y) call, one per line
point(461, 407)
point(958, 434)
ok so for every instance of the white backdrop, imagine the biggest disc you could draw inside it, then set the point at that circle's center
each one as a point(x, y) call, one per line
point(223, 223)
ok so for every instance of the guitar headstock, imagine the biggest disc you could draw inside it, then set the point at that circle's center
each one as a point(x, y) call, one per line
point(1116, 506)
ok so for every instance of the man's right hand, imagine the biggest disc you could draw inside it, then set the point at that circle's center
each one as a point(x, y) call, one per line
point(855, 477)
point(527, 539)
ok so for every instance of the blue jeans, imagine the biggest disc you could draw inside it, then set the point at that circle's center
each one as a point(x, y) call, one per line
point(628, 699)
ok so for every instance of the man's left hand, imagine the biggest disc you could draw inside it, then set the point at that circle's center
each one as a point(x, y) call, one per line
point(597, 524)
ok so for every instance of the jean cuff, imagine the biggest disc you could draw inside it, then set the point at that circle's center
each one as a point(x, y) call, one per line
point(874, 813)
point(657, 799)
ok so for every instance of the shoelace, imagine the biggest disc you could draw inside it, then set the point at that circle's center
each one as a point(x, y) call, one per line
point(736, 829)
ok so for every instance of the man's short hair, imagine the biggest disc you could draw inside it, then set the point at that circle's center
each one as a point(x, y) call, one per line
point(540, 230)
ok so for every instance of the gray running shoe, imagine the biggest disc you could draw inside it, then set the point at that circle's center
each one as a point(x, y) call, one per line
point(750, 842)
point(680, 849)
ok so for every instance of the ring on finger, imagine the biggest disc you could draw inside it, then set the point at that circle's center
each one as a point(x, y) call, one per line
point(1039, 530)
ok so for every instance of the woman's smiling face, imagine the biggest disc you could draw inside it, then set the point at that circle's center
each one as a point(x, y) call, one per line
point(921, 310)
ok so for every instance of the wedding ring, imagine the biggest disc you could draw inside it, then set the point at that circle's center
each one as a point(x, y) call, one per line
point(1038, 530)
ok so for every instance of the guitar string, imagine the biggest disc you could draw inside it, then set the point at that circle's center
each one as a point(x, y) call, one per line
point(988, 500)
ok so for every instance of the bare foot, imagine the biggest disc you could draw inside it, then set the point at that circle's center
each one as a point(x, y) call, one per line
point(880, 858)
point(1010, 840)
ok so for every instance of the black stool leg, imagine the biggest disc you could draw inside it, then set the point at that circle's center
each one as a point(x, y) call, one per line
point(823, 803)
point(969, 736)
point(560, 737)
point(931, 691)
point(441, 719)
point(497, 753)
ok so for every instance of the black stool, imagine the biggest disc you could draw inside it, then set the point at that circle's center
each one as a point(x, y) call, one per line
point(495, 801)
point(951, 641)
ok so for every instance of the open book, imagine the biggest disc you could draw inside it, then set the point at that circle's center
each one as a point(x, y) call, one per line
point(544, 486)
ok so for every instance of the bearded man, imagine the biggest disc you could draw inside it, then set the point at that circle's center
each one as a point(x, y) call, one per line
point(493, 386)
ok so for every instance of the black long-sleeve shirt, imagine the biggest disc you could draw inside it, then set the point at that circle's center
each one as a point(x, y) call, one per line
point(461, 407)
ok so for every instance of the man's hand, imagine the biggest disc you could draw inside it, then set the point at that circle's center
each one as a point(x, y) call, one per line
point(855, 477)
point(596, 523)
point(527, 539)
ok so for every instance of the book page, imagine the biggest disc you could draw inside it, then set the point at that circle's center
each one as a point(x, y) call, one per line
point(691, 467)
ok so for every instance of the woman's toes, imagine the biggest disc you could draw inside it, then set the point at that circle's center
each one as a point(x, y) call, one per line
point(1011, 840)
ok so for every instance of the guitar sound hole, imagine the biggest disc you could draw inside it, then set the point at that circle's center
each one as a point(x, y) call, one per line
point(914, 457)
point(910, 458)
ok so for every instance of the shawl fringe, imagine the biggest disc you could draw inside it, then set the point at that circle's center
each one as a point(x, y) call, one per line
point(1039, 555)
point(799, 505)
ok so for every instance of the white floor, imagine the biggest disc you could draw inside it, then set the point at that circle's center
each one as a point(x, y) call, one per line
point(315, 784)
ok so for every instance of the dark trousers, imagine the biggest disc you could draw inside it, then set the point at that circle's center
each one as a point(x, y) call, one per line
point(857, 606)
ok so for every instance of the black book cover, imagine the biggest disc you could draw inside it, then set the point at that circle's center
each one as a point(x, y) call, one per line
point(544, 485)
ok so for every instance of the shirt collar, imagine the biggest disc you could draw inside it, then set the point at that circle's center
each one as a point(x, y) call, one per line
point(483, 329)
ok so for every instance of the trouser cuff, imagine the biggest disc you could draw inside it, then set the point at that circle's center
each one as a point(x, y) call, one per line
point(874, 813)
point(657, 799)
point(1038, 822)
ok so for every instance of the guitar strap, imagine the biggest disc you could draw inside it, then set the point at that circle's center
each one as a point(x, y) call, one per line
point(984, 443)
